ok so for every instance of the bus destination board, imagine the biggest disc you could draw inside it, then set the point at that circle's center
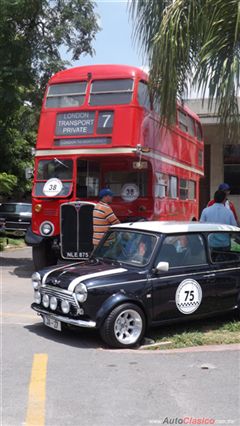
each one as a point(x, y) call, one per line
point(75, 123)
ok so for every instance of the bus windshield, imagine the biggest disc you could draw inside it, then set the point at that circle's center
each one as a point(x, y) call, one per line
point(61, 169)
point(54, 178)
point(128, 184)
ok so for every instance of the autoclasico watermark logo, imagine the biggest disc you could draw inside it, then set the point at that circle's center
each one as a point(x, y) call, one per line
point(192, 421)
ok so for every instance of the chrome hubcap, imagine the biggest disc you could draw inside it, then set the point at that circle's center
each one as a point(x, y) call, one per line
point(128, 327)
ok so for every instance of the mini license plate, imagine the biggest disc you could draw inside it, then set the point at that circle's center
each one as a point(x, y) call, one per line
point(52, 323)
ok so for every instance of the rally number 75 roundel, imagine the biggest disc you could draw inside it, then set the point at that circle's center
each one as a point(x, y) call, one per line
point(188, 296)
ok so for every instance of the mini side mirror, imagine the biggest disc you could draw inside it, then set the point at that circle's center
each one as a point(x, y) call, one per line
point(162, 267)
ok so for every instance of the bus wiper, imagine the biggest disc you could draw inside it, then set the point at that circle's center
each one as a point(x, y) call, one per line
point(60, 162)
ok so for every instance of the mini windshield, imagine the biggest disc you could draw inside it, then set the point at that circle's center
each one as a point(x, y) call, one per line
point(129, 247)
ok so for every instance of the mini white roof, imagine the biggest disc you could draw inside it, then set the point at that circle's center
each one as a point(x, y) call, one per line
point(173, 227)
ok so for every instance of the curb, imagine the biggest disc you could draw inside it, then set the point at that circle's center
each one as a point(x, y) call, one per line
point(205, 348)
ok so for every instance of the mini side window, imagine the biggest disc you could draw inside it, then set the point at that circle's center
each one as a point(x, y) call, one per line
point(182, 250)
point(224, 247)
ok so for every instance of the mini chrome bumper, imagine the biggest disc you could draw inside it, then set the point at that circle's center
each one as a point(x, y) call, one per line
point(77, 323)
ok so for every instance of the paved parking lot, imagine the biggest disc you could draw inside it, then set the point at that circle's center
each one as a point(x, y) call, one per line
point(51, 378)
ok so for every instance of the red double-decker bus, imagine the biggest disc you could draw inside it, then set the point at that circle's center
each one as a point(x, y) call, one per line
point(98, 128)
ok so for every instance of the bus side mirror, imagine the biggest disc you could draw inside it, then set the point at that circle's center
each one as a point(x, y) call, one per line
point(29, 172)
point(162, 267)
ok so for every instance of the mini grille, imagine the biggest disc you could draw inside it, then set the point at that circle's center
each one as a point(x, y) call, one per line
point(60, 295)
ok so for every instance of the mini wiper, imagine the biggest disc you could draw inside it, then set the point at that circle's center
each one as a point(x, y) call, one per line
point(113, 261)
point(93, 259)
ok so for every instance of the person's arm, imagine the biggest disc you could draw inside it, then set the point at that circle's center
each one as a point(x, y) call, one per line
point(111, 218)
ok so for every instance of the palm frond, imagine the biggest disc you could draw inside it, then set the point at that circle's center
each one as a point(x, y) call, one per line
point(219, 61)
point(185, 35)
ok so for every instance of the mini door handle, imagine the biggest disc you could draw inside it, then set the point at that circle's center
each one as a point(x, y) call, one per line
point(209, 276)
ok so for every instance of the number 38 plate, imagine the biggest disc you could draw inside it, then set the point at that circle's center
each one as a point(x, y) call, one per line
point(52, 323)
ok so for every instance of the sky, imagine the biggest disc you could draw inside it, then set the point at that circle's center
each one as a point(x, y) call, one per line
point(114, 43)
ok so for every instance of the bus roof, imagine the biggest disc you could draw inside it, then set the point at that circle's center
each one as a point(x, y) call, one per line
point(98, 71)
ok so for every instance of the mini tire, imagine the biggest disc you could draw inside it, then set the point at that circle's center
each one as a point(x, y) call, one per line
point(124, 327)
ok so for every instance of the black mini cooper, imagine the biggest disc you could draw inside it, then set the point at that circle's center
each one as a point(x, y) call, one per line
point(144, 274)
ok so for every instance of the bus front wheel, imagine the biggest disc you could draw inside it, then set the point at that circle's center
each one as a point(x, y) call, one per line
point(43, 256)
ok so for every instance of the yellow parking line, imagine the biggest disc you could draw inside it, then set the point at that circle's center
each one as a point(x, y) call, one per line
point(37, 391)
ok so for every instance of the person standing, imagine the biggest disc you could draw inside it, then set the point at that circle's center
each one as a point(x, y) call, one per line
point(226, 188)
point(217, 212)
point(103, 215)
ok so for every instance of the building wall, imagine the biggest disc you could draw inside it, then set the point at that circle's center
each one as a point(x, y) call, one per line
point(215, 138)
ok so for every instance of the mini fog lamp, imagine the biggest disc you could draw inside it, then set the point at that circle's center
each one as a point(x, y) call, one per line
point(36, 280)
point(37, 297)
point(65, 306)
point(53, 303)
point(45, 301)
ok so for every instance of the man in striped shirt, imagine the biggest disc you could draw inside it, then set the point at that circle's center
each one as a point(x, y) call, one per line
point(103, 215)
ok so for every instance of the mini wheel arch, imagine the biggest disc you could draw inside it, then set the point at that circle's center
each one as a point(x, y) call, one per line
point(112, 302)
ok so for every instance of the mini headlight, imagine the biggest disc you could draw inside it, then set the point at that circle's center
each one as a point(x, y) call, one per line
point(45, 301)
point(47, 228)
point(81, 292)
point(53, 303)
point(65, 306)
point(37, 297)
point(36, 280)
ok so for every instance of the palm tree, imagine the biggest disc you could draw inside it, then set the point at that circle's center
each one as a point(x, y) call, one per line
point(192, 40)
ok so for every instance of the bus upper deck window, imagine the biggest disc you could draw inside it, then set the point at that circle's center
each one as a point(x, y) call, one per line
point(143, 95)
point(191, 125)
point(182, 121)
point(199, 132)
point(111, 92)
point(66, 95)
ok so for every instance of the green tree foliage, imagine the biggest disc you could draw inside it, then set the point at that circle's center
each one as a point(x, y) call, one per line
point(192, 40)
point(32, 35)
point(7, 183)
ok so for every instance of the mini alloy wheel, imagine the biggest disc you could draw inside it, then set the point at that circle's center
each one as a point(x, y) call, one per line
point(124, 327)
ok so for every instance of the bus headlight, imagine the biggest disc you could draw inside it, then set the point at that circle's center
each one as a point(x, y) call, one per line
point(36, 280)
point(47, 228)
point(81, 292)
